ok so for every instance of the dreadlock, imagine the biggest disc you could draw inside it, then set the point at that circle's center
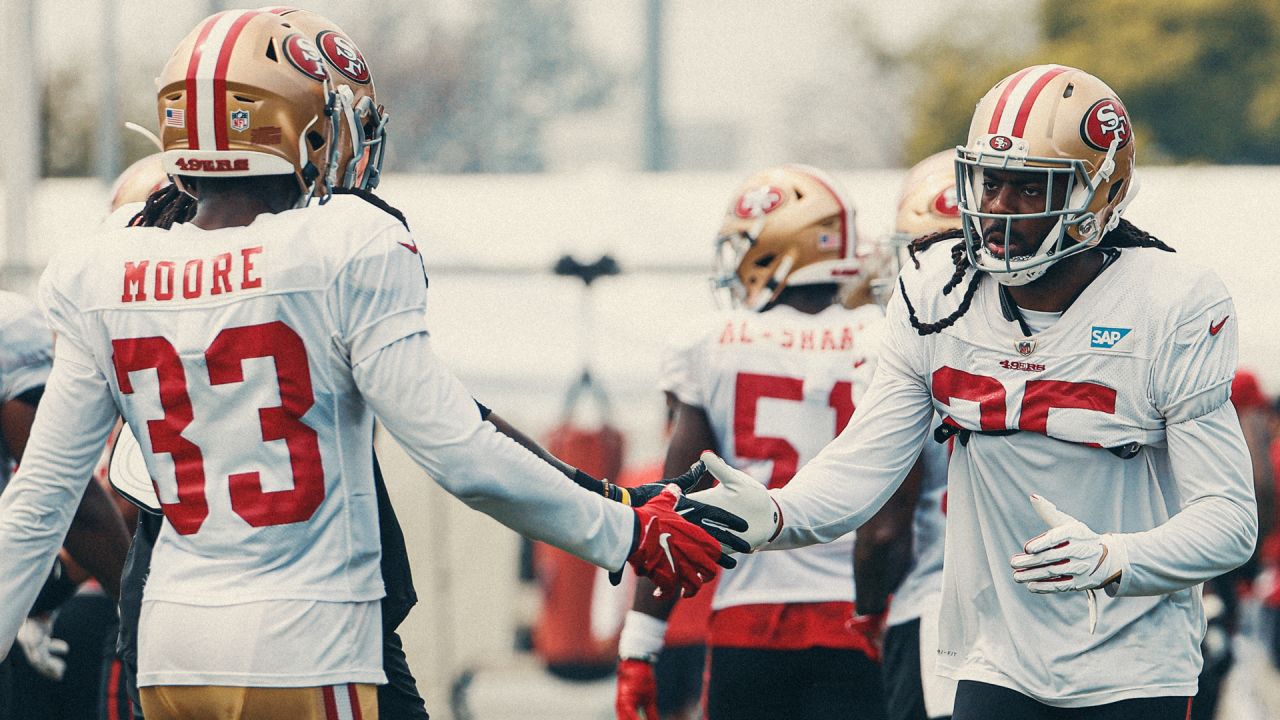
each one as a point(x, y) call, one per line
point(169, 206)
point(1123, 235)
point(165, 208)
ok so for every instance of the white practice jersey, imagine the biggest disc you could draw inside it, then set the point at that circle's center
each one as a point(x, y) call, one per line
point(26, 356)
point(1142, 360)
point(776, 387)
point(928, 527)
point(252, 361)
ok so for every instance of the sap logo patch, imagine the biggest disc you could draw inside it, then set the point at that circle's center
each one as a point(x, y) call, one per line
point(1108, 338)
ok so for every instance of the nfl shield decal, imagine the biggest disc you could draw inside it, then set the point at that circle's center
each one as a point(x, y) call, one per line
point(239, 120)
point(1025, 347)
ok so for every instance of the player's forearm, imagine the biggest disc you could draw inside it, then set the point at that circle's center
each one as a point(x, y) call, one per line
point(854, 475)
point(38, 506)
point(1217, 528)
point(98, 539)
point(434, 420)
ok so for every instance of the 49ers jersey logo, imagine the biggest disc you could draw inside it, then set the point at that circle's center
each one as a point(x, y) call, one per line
point(304, 56)
point(761, 201)
point(343, 55)
point(1105, 122)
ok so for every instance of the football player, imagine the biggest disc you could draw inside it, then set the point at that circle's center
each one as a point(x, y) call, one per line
point(768, 383)
point(899, 550)
point(1100, 474)
point(255, 344)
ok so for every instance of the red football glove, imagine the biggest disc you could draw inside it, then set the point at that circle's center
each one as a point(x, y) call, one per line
point(637, 695)
point(675, 554)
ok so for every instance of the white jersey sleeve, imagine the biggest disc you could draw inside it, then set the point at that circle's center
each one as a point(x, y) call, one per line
point(680, 368)
point(26, 347)
point(379, 303)
point(1216, 520)
point(854, 475)
point(433, 417)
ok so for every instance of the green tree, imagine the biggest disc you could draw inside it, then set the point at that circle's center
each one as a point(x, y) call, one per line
point(1197, 76)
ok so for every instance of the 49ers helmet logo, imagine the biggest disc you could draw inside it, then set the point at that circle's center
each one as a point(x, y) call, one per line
point(1105, 121)
point(945, 203)
point(343, 55)
point(304, 56)
point(760, 201)
point(1000, 143)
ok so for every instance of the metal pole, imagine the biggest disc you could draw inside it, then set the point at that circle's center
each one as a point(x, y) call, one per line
point(109, 150)
point(21, 146)
point(655, 129)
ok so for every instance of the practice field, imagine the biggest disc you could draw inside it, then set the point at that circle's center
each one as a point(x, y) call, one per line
point(518, 336)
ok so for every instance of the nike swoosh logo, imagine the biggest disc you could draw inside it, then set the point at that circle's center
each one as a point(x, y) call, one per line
point(662, 541)
point(1102, 559)
point(411, 248)
point(1214, 329)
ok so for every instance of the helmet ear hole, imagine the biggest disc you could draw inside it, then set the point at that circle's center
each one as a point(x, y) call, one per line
point(1115, 189)
point(315, 140)
point(766, 260)
point(271, 50)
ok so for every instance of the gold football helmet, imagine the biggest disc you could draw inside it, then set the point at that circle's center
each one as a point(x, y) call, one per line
point(1072, 129)
point(246, 94)
point(138, 181)
point(363, 132)
point(927, 200)
point(789, 225)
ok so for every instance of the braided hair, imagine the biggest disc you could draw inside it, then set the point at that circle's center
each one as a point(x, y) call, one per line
point(1124, 235)
point(169, 206)
point(165, 208)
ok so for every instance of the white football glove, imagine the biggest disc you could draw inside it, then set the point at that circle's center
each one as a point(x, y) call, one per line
point(744, 496)
point(45, 653)
point(1069, 556)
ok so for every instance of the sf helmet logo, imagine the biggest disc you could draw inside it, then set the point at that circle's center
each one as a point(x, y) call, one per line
point(1000, 143)
point(304, 56)
point(945, 203)
point(761, 201)
point(1106, 121)
point(343, 55)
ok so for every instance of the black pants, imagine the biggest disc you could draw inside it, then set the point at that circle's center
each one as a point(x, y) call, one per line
point(980, 701)
point(903, 689)
point(817, 684)
point(678, 674)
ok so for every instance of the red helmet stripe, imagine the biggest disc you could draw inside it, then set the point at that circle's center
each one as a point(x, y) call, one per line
point(994, 126)
point(1020, 123)
point(193, 136)
point(220, 118)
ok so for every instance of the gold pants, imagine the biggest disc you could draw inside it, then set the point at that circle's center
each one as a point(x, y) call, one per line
point(214, 702)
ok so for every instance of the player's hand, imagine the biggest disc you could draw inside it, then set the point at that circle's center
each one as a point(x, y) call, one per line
point(678, 556)
point(637, 693)
point(869, 629)
point(742, 495)
point(642, 494)
point(1069, 556)
point(45, 653)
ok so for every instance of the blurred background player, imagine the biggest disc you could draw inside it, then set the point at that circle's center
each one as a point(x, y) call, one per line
point(262, 596)
point(899, 551)
point(1119, 357)
point(51, 672)
point(768, 383)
